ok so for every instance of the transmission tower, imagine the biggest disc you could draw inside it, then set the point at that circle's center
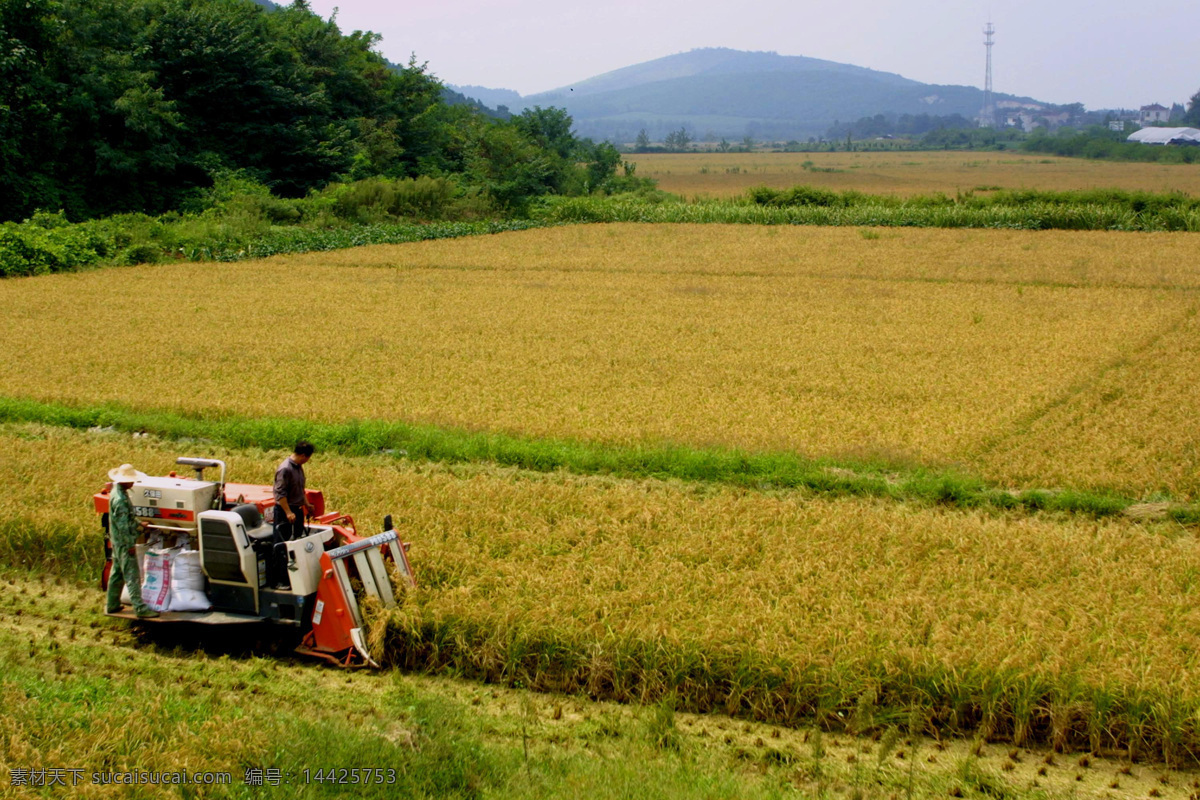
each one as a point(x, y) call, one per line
point(987, 117)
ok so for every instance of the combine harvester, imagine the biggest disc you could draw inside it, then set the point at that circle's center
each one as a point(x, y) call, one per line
point(208, 557)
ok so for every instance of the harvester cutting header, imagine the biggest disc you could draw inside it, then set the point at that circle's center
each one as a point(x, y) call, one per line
point(207, 555)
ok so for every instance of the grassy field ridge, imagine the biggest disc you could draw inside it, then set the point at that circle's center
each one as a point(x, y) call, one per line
point(430, 443)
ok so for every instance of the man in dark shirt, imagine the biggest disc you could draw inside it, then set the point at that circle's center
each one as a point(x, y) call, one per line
point(290, 503)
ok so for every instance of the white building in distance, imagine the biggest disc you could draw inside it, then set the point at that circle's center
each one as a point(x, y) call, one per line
point(1154, 113)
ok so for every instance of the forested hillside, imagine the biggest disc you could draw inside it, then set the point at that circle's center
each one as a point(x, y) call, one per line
point(111, 106)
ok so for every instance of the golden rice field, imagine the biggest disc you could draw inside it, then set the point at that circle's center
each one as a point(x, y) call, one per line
point(740, 600)
point(1034, 358)
point(904, 173)
point(1132, 425)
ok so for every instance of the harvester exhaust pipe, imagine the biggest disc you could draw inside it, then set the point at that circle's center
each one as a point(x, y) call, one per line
point(201, 464)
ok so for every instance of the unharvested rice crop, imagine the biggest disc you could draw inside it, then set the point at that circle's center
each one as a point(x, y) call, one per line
point(920, 346)
point(778, 606)
point(904, 173)
point(1134, 424)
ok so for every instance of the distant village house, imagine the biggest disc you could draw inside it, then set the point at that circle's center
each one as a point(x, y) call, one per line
point(1154, 113)
point(1028, 121)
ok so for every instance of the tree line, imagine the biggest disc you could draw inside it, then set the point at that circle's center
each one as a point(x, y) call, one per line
point(110, 106)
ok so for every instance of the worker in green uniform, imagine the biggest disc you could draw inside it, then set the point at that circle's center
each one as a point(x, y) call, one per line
point(123, 530)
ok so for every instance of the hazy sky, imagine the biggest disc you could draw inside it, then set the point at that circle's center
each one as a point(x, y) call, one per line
point(1103, 53)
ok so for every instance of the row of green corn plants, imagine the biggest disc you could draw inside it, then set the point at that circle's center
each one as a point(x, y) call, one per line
point(49, 244)
point(804, 195)
point(303, 240)
point(1042, 212)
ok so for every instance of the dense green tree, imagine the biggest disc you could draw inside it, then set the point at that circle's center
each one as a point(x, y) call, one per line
point(677, 141)
point(508, 166)
point(249, 99)
point(136, 105)
point(427, 128)
point(127, 104)
point(548, 127)
point(550, 130)
point(1192, 116)
point(603, 165)
point(29, 101)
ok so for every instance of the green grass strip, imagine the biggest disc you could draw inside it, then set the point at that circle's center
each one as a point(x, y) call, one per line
point(756, 470)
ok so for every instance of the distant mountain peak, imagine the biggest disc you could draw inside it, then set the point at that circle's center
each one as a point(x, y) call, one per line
point(713, 61)
point(718, 91)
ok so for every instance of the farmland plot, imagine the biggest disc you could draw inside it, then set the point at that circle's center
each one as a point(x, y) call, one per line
point(1133, 425)
point(904, 173)
point(503, 742)
point(778, 606)
point(918, 347)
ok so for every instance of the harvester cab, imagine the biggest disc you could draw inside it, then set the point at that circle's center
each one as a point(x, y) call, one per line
point(209, 556)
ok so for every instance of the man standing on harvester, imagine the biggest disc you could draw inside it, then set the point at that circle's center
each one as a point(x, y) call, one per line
point(290, 504)
point(123, 530)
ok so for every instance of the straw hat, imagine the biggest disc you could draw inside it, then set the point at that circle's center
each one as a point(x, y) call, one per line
point(125, 474)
